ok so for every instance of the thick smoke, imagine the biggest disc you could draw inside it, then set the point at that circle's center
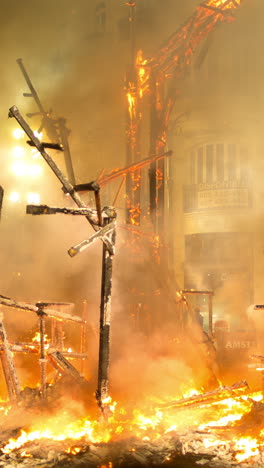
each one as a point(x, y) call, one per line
point(80, 75)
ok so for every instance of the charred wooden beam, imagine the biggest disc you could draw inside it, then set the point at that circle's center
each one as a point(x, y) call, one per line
point(6, 301)
point(103, 233)
point(55, 129)
point(113, 175)
point(92, 187)
point(214, 396)
point(42, 354)
point(55, 146)
point(33, 92)
point(14, 112)
point(105, 319)
point(45, 209)
point(1, 198)
point(8, 366)
point(60, 363)
point(33, 348)
point(21, 348)
point(64, 132)
point(88, 187)
point(217, 10)
point(196, 291)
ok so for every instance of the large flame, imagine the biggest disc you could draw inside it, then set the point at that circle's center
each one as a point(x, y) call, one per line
point(149, 424)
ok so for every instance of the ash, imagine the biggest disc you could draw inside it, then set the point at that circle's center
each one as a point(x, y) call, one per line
point(184, 450)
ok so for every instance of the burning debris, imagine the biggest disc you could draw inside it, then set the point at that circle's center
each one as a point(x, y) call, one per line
point(144, 437)
point(218, 427)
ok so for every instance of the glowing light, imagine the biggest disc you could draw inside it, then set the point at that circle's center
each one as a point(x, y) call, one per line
point(18, 133)
point(14, 197)
point(35, 153)
point(18, 151)
point(33, 198)
point(38, 134)
point(34, 170)
point(19, 168)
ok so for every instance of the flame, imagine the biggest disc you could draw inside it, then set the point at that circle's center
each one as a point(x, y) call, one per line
point(247, 448)
point(148, 425)
point(224, 4)
point(36, 339)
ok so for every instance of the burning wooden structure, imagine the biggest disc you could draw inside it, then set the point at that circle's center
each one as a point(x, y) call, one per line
point(159, 433)
point(43, 311)
point(158, 77)
point(103, 222)
point(55, 128)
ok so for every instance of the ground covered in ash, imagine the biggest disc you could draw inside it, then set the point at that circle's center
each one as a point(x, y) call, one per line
point(168, 452)
point(186, 450)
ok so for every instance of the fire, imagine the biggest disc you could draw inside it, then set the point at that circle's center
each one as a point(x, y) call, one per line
point(224, 4)
point(36, 338)
point(149, 424)
point(247, 448)
point(132, 102)
point(143, 74)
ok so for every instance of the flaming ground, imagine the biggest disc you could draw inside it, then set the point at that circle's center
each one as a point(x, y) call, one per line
point(222, 433)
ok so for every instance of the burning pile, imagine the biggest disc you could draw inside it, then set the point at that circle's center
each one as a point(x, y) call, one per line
point(216, 429)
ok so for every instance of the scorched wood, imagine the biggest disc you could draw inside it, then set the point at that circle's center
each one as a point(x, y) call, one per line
point(105, 317)
point(208, 398)
point(63, 365)
point(42, 357)
point(7, 301)
point(14, 112)
point(8, 365)
point(106, 230)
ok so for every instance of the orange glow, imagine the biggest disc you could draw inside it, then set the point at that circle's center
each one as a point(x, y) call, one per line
point(149, 425)
point(224, 4)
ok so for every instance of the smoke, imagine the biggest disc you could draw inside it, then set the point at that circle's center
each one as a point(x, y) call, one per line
point(80, 75)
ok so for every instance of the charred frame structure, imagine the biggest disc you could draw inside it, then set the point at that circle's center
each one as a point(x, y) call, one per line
point(96, 219)
point(157, 77)
point(55, 128)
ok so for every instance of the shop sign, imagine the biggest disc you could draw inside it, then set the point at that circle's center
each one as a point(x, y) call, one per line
point(222, 198)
